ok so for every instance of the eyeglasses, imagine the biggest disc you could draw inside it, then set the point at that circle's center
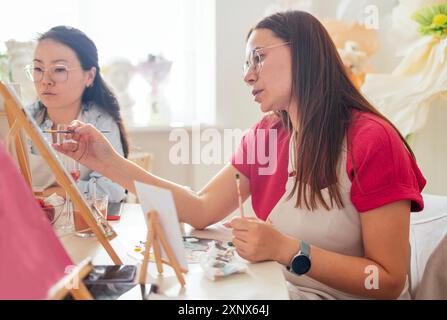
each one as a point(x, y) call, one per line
point(256, 59)
point(58, 73)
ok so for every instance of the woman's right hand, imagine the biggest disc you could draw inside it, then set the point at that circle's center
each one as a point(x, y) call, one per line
point(90, 148)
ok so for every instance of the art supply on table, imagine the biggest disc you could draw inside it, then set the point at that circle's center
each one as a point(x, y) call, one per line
point(53, 206)
point(194, 248)
point(99, 208)
point(221, 262)
point(105, 274)
point(114, 210)
point(115, 282)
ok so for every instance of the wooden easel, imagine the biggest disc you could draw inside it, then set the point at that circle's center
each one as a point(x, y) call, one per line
point(97, 223)
point(156, 238)
point(19, 146)
point(72, 283)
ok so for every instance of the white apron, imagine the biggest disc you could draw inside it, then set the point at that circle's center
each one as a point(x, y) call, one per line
point(338, 230)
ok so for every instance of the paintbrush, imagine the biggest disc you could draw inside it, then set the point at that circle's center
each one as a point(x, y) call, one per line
point(70, 131)
point(238, 185)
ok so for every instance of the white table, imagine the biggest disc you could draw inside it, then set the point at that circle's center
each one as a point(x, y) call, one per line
point(263, 281)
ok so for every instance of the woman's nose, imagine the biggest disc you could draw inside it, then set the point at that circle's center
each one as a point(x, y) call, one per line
point(250, 77)
point(46, 79)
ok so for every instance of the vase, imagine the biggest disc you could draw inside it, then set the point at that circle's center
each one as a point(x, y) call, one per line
point(159, 106)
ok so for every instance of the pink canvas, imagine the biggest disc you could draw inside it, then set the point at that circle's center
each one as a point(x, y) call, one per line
point(32, 259)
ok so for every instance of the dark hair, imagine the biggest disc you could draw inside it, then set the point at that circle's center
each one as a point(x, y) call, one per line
point(99, 93)
point(326, 97)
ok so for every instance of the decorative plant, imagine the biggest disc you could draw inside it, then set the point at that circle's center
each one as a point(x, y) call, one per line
point(356, 44)
point(407, 94)
point(432, 20)
point(155, 70)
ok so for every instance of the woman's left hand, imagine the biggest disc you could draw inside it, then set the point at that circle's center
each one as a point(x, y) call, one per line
point(257, 241)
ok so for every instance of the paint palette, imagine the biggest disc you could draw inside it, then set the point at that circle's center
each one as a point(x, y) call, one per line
point(194, 248)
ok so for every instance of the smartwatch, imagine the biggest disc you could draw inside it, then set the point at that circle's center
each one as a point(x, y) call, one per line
point(301, 263)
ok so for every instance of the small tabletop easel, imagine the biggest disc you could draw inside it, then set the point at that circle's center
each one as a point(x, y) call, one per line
point(72, 283)
point(97, 223)
point(155, 238)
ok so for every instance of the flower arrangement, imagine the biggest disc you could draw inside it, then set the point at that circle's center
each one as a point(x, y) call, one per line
point(155, 70)
point(407, 94)
point(355, 61)
point(356, 44)
point(432, 20)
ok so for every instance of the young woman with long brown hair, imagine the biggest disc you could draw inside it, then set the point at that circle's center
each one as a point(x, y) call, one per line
point(335, 211)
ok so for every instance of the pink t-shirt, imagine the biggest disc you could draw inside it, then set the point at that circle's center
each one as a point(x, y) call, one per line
point(386, 171)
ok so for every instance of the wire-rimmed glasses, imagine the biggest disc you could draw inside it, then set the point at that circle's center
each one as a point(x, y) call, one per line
point(255, 58)
point(57, 73)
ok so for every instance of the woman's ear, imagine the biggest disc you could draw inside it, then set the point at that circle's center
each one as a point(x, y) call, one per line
point(91, 75)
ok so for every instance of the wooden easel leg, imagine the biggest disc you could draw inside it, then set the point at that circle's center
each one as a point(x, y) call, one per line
point(170, 253)
point(157, 254)
point(81, 293)
point(72, 283)
point(149, 241)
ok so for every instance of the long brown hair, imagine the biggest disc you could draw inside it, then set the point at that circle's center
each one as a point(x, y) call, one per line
point(325, 97)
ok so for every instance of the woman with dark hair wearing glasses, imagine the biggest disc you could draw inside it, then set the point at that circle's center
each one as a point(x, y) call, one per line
point(335, 208)
point(67, 78)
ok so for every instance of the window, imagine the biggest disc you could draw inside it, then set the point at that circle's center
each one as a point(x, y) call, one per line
point(181, 31)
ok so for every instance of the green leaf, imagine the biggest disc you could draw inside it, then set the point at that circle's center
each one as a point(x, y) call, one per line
point(422, 19)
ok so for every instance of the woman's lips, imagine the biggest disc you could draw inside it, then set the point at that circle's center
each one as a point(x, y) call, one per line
point(256, 94)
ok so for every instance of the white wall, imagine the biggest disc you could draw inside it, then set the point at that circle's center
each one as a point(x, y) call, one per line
point(234, 103)
point(234, 108)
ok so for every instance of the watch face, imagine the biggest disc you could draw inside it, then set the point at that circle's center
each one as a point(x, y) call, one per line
point(301, 264)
